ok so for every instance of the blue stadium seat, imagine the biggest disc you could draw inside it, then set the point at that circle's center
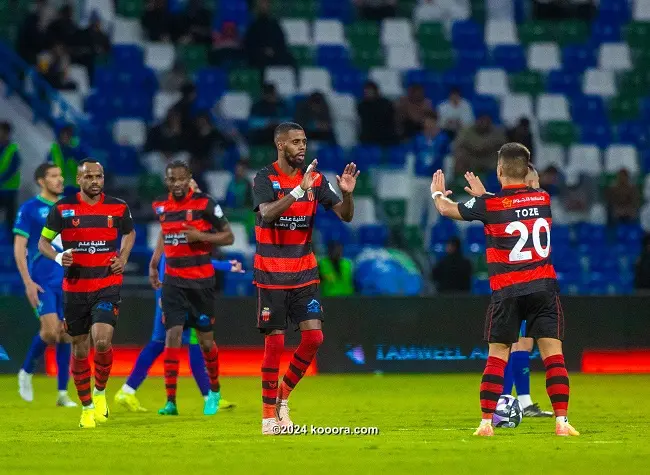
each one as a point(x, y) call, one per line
point(124, 161)
point(475, 235)
point(480, 286)
point(349, 81)
point(11, 284)
point(99, 107)
point(629, 234)
point(127, 56)
point(635, 133)
point(616, 11)
point(373, 235)
point(441, 232)
point(211, 84)
point(232, 10)
point(337, 9)
point(645, 109)
point(561, 234)
point(7, 262)
point(351, 251)
point(137, 106)
point(239, 285)
point(366, 156)
point(423, 77)
point(578, 58)
point(334, 230)
point(605, 31)
point(588, 110)
point(591, 233)
point(487, 105)
point(459, 79)
point(333, 57)
point(563, 82)
point(511, 58)
point(472, 58)
point(396, 156)
point(466, 34)
point(597, 134)
point(331, 158)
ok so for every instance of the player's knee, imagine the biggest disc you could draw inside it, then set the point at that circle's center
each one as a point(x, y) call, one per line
point(313, 338)
point(49, 336)
point(206, 344)
point(102, 344)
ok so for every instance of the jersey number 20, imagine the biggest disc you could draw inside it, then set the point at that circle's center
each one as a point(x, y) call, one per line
point(517, 255)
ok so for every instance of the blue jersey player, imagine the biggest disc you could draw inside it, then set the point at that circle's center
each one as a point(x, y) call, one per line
point(126, 395)
point(43, 279)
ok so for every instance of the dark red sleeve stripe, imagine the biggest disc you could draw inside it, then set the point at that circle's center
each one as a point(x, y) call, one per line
point(282, 236)
point(89, 234)
point(91, 285)
point(498, 282)
point(499, 229)
point(502, 256)
point(196, 272)
point(279, 264)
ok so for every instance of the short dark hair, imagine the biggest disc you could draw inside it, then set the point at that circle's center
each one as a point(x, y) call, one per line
point(268, 88)
point(178, 164)
point(42, 170)
point(455, 90)
point(372, 85)
point(5, 126)
point(284, 128)
point(514, 158)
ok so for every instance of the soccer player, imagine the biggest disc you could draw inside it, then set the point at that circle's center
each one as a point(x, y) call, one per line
point(89, 224)
point(192, 223)
point(126, 395)
point(42, 279)
point(517, 371)
point(524, 285)
point(286, 196)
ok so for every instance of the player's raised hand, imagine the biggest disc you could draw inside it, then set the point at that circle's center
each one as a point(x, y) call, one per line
point(348, 179)
point(31, 290)
point(476, 187)
point(236, 267)
point(154, 278)
point(192, 234)
point(117, 265)
point(310, 176)
point(438, 183)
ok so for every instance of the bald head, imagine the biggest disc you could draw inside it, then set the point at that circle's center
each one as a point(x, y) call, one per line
point(90, 177)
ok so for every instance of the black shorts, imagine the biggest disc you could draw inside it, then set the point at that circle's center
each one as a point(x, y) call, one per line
point(191, 308)
point(78, 316)
point(542, 312)
point(275, 306)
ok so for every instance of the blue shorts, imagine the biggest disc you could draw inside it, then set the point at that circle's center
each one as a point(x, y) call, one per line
point(159, 330)
point(51, 301)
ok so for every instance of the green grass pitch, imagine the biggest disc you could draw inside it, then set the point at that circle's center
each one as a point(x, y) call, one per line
point(425, 425)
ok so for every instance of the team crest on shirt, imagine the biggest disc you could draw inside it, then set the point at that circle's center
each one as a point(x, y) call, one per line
point(310, 195)
point(75, 222)
point(507, 203)
point(188, 215)
point(109, 221)
point(266, 314)
point(67, 213)
point(44, 211)
point(280, 195)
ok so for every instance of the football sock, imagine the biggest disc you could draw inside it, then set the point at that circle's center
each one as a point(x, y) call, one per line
point(81, 377)
point(491, 385)
point(36, 350)
point(525, 400)
point(310, 341)
point(557, 384)
point(212, 365)
point(63, 352)
point(508, 378)
point(197, 364)
point(171, 372)
point(520, 361)
point(103, 365)
point(143, 364)
point(273, 348)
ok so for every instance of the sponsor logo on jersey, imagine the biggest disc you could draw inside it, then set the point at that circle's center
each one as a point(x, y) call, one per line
point(507, 202)
point(276, 185)
point(470, 203)
point(67, 213)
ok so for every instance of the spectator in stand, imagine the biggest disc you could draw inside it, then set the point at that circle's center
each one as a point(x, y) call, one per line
point(54, 65)
point(174, 79)
point(168, 135)
point(66, 153)
point(476, 146)
point(411, 111)
point(194, 25)
point(431, 147)
point(32, 35)
point(377, 117)
point(186, 106)
point(550, 181)
point(239, 194)
point(376, 10)
point(443, 11)
point(206, 144)
point(454, 271)
point(623, 199)
point(455, 113)
point(313, 114)
point(642, 271)
point(92, 42)
point(521, 133)
point(265, 116)
point(156, 21)
point(9, 174)
point(336, 272)
point(578, 196)
point(265, 44)
point(227, 45)
point(63, 28)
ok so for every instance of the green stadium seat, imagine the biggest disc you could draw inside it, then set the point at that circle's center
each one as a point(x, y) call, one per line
point(307, 9)
point(367, 57)
point(246, 80)
point(404, 8)
point(560, 132)
point(440, 58)
point(303, 55)
point(571, 32)
point(637, 34)
point(478, 11)
point(412, 238)
point(194, 57)
point(261, 156)
point(430, 35)
point(364, 185)
point(150, 186)
point(362, 30)
point(395, 212)
point(9, 32)
point(623, 108)
point(641, 58)
point(537, 32)
point(634, 84)
point(130, 8)
point(527, 82)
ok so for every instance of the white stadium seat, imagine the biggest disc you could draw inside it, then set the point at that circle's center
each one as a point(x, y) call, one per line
point(130, 131)
point(402, 57)
point(549, 155)
point(597, 82)
point(585, 159)
point(388, 80)
point(392, 184)
point(235, 105)
point(516, 106)
point(641, 10)
point(364, 211)
point(218, 182)
point(126, 32)
point(163, 101)
point(313, 80)
point(544, 57)
point(297, 32)
point(614, 57)
point(619, 157)
point(500, 32)
point(396, 31)
point(343, 106)
point(79, 75)
point(552, 107)
point(283, 78)
point(492, 82)
point(329, 32)
point(159, 56)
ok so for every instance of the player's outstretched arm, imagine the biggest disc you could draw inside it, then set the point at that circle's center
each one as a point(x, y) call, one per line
point(347, 182)
point(20, 255)
point(272, 210)
point(439, 193)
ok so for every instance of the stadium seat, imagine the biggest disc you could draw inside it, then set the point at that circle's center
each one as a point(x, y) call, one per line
point(562, 82)
point(549, 155)
point(343, 106)
point(467, 34)
point(364, 212)
point(623, 109)
point(597, 134)
point(296, 31)
point(373, 235)
point(129, 8)
point(402, 57)
point(193, 57)
point(440, 58)
point(79, 75)
point(349, 81)
point(500, 32)
point(585, 159)
point(544, 57)
point(588, 110)
point(159, 56)
point(637, 34)
point(634, 83)
point(218, 182)
point(314, 80)
point(396, 31)
point(492, 82)
point(346, 133)
point(577, 59)
point(430, 34)
point(552, 107)
point(388, 80)
point(568, 32)
point(333, 57)
point(486, 105)
point(126, 31)
point(245, 80)
point(635, 133)
point(614, 57)
point(235, 105)
point(328, 32)
point(641, 10)
point(130, 132)
point(536, 32)
point(619, 157)
point(241, 243)
point(284, 79)
point(510, 58)
point(598, 82)
point(560, 132)
point(393, 184)
point(527, 82)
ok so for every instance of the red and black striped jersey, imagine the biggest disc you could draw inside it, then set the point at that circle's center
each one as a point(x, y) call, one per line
point(188, 264)
point(92, 232)
point(518, 239)
point(284, 258)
